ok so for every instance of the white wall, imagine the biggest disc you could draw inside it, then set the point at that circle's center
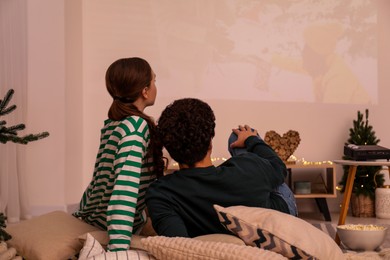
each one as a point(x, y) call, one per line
point(67, 97)
point(74, 99)
point(46, 104)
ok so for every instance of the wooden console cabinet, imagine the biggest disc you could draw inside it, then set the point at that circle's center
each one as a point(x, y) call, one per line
point(323, 182)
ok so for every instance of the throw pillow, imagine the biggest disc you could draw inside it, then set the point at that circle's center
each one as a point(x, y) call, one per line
point(279, 232)
point(92, 249)
point(225, 238)
point(50, 236)
point(102, 237)
point(182, 248)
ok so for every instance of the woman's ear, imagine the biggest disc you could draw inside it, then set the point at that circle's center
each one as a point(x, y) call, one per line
point(145, 92)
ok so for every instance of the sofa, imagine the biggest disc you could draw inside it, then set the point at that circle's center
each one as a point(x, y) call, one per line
point(256, 233)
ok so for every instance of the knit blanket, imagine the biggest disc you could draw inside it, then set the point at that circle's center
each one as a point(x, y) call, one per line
point(8, 253)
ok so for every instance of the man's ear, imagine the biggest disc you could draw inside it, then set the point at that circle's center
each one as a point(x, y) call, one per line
point(211, 145)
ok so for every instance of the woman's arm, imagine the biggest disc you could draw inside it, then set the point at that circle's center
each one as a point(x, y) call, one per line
point(122, 206)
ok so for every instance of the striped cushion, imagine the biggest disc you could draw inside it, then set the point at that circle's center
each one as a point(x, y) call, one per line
point(282, 233)
point(92, 250)
point(261, 238)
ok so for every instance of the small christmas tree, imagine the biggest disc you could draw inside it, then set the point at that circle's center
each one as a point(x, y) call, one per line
point(366, 179)
point(11, 134)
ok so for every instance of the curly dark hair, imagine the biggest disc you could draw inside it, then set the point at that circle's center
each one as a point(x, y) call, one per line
point(185, 128)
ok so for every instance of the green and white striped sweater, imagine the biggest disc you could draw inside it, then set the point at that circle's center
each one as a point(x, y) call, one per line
point(115, 198)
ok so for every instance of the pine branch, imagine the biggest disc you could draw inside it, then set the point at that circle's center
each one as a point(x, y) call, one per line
point(4, 103)
point(15, 128)
point(12, 130)
point(4, 236)
point(10, 134)
point(4, 138)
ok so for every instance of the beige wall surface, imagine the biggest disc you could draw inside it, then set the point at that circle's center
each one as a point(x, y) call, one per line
point(67, 58)
point(46, 108)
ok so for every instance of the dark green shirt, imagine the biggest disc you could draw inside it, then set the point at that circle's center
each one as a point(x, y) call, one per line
point(181, 204)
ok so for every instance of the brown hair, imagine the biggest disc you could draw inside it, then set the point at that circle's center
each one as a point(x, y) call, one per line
point(125, 80)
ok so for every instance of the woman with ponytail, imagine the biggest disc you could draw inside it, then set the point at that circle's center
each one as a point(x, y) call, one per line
point(129, 156)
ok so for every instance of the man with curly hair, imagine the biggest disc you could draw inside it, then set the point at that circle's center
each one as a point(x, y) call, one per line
point(181, 203)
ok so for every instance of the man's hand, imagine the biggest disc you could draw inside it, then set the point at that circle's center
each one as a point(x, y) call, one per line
point(243, 132)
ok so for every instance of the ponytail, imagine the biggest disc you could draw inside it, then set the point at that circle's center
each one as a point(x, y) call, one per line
point(125, 80)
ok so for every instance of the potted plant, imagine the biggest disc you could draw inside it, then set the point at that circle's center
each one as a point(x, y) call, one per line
point(367, 177)
point(11, 134)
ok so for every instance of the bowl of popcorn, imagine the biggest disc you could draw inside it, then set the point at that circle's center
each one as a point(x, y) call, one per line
point(362, 237)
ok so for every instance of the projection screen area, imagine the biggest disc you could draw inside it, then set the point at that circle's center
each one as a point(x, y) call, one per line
point(282, 51)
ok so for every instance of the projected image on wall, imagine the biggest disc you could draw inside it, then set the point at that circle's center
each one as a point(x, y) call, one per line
point(285, 51)
point(321, 51)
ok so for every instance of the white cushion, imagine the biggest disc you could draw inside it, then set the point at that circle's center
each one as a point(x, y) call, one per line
point(279, 232)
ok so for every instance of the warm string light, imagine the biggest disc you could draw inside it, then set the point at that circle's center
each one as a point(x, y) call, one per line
point(304, 162)
point(215, 160)
point(317, 163)
point(218, 160)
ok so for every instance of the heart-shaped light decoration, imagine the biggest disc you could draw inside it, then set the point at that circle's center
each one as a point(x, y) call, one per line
point(285, 145)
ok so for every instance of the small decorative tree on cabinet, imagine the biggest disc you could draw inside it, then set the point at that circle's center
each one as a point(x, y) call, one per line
point(367, 177)
point(10, 134)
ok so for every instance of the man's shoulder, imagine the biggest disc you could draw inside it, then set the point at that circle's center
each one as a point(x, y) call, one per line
point(164, 180)
point(242, 161)
point(176, 179)
point(162, 187)
point(243, 156)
